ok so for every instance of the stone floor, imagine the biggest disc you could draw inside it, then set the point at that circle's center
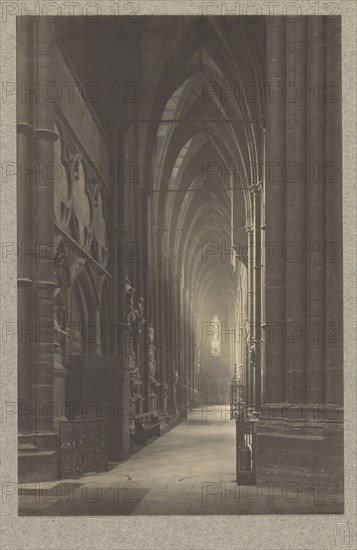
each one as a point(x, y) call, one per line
point(189, 470)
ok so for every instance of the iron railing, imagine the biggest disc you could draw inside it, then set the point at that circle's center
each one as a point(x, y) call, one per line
point(82, 446)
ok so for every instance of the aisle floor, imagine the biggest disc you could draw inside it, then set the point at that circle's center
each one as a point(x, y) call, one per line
point(189, 470)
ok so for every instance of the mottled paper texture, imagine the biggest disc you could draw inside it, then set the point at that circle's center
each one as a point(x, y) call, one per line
point(177, 275)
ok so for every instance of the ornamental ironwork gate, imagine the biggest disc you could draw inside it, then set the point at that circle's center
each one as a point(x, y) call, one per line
point(237, 392)
point(82, 446)
point(245, 449)
point(246, 421)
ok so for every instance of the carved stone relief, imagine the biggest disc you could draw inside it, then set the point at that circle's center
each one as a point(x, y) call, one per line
point(80, 201)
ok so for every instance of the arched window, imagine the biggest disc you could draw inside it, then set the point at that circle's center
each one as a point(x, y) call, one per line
point(216, 337)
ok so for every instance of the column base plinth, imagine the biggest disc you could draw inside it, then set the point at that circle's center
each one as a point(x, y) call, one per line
point(38, 457)
point(301, 444)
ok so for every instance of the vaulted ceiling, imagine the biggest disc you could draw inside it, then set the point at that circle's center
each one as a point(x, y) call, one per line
point(198, 130)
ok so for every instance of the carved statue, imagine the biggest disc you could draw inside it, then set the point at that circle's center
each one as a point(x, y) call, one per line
point(59, 316)
point(246, 331)
point(130, 316)
point(151, 334)
point(152, 348)
point(140, 320)
point(175, 380)
point(132, 363)
point(152, 362)
point(253, 351)
point(59, 266)
point(134, 315)
point(176, 377)
point(141, 307)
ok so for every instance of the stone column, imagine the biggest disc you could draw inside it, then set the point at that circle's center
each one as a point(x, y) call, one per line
point(172, 356)
point(182, 344)
point(191, 353)
point(149, 293)
point(38, 459)
point(262, 271)
point(130, 210)
point(25, 187)
point(168, 322)
point(297, 436)
point(44, 232)
point(120, 332)
point(275, 204)
point(176, 333)
point(250, 370)
point(141, 247)
point(188, 345)
point(257, 294)
point(240, 319)
point(316, 213)
point(333, 262)
point(125, 230)
point(163, 324)
point(194, 359)
point(157, 265)
point(294, 254)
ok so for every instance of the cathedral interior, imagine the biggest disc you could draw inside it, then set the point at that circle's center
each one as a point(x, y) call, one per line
point(180, 214)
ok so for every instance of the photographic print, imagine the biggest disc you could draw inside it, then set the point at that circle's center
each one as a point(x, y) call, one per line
point(179, 195)
point(177, 267)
